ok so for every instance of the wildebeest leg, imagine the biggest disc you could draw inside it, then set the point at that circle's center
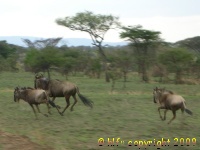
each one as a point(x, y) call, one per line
point(48, 107)
point(75, 101)
point(67, 101)
point(33, 110)
point(56, 105)
point(40, 111)
point(38, 108)
point(174, 113)
point(161, 107)
point(165, 114)
point(182, 110)
point(53, 99)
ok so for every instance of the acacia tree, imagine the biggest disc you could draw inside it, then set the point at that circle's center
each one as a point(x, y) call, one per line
point(41, 44)
point(190, 43)
point(193, 45)
point(95, 25)
point(143, 42)
point(42, 55)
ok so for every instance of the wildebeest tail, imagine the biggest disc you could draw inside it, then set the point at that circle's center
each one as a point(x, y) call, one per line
point(187, 110)
point(85, 100)
point(52, 103)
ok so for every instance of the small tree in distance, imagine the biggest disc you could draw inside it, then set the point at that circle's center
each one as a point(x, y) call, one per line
point(177, 60)
point(96, 25)
point(143, 42)
point(42, 55)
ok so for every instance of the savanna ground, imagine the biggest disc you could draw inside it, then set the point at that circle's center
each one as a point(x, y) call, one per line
point(128, 114)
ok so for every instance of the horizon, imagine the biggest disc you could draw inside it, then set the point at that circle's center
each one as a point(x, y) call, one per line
point(176, 20)
point(17, 40)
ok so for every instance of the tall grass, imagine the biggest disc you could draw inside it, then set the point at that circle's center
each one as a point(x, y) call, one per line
point(128, 114)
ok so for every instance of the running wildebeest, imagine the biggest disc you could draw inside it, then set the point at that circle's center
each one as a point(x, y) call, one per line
point(169, 101)
point(32, 96)
point(56, 88)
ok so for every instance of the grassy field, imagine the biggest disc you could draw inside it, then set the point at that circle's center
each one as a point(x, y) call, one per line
point(128, 114)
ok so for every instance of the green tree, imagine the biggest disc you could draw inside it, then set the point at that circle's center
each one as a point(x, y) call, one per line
point(95, 25)
point(72, 57)
point(43, 60)
point(43, 43)
point(8, 57)
point(143, 42)
point(190, 43)
point(123, 61)
point(6, 49)
point(177, 60)
point(95, 67)
point(42, 55)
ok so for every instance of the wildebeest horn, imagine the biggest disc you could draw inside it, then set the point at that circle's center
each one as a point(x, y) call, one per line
point(36, 75)
point(41, 75)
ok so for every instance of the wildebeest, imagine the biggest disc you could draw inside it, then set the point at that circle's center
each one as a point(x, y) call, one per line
point(56, 88)
point(169, 101)
point(32, 96)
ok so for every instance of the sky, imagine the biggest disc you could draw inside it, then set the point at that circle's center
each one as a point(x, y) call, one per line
point(175, 19)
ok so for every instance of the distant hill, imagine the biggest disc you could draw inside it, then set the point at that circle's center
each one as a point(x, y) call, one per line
point(17, 40)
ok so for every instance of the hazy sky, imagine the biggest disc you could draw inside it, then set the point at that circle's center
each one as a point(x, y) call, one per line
point(175, 19)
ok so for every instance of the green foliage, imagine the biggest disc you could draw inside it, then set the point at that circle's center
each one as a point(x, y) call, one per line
point(31, 58)
point(137, 35)
point(95, 66)
point(8, 57)
point(190, 43)
point(122, 60)
point(44, 59)
point(89, 22)
point(128, 114)
point(74, 60)
point(6, 49)
point(95, 24)
point(176, 59)
point(143, 42)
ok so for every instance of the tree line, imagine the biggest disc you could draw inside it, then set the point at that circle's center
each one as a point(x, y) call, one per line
point(146, 53)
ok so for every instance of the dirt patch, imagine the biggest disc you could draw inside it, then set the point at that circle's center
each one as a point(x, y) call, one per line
point(10, 141)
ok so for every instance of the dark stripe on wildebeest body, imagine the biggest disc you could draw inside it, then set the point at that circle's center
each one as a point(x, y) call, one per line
point(56, 88)
point(33, 97)
point(169, 101)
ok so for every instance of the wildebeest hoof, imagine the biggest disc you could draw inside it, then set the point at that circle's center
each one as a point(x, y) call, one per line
point(61, 114)
point(163, 119)
point(58, 106)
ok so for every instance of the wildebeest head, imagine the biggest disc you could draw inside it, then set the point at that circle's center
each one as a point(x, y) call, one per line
point(17, 94)
point(38, 76)
point(156, 94)
point(41, 83)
